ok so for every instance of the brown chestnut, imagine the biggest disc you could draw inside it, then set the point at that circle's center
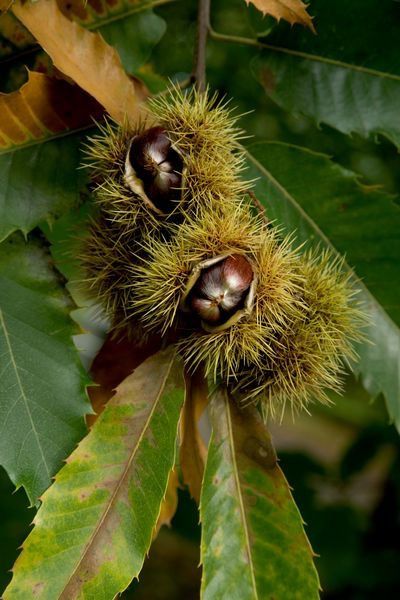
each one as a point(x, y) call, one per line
point(158, 166)
point(221, 289)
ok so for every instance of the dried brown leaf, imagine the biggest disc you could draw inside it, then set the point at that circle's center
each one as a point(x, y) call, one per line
point(43, 108)
point(193, 450)
point(293, 11)
point(5, 5)
point(84, 57)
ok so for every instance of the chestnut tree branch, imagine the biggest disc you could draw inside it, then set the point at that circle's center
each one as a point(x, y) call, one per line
point(203, 25)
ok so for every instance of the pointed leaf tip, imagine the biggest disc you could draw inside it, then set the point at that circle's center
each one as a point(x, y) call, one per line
point(292, 11)
point(253, 542)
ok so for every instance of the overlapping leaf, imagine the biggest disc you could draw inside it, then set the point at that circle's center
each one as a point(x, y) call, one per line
point(14, 37)
point(5, 5)
point(130, 26)
point(42, 382)
point(323, 202)
point(347, 80)
point(39, 179)
point(253, 543)
point(96, 522)
point(100, 73)
point(193, 451)
point(293, 11)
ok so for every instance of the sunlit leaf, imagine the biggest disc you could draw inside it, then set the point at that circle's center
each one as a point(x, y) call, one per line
point(307, 192)
point(292, 11)
point(84, 57)
point(97, 520)
point(42, 381)
point(253, 542)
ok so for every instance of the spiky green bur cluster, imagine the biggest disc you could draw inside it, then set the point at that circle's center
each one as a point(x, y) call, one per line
point(293, 344)
point(291, 331)
point(204, 134)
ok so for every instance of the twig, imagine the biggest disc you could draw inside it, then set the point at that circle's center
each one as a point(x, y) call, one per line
point(258, 206)
point(203, 25)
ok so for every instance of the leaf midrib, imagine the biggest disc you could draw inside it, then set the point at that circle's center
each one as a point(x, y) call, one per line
point(239, 494)
point(22, 391)
point(321, 234)
point(113, 497)
point(330, 61)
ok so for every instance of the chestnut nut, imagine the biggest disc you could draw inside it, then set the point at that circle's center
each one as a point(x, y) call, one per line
point(159, 167)
point(221, 289)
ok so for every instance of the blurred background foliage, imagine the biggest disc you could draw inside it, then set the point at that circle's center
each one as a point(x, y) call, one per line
point(344, 462)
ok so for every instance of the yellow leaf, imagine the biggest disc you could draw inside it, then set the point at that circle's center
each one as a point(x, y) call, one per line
point(293, 11)
point(84, 57)
point(169, 504)
point(5, 5)
point(43, 108)
point(193, 451)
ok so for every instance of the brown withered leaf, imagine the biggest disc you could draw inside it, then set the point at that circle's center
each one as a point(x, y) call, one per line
point(84, 57)
point(193, 451)
point(43, 108)
point(293, 11)
point(5, 5)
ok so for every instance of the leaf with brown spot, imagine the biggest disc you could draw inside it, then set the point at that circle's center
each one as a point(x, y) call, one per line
point(253, 543)
point(192, 450)
point(84, 57)
point(97, 520)
point(293, 11)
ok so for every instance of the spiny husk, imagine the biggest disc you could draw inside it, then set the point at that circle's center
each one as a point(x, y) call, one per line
point(295, 342)
point(106, 257)
point(105, 158)
point(310, 356)
point(206, 133)
point(162, 280)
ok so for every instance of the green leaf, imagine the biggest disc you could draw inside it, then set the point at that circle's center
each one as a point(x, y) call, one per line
point(134, 37)
point(306, 192)
point(253, 543)
point(38, 183)
point(338, 77)
point(42, 386)
point(39, 173)
point(40, 178)
point(96, 522)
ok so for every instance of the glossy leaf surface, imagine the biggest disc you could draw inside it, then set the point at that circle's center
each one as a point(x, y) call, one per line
point(348, 80)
